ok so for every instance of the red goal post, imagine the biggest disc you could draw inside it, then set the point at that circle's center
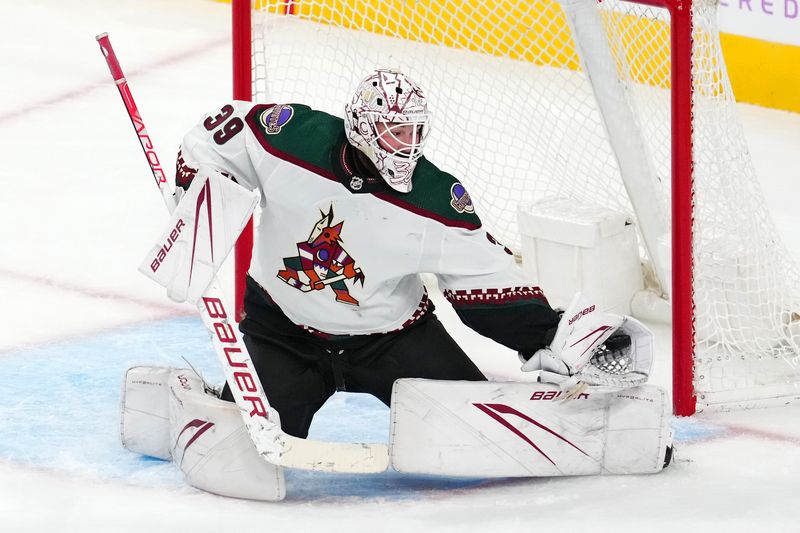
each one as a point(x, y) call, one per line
point(506, 33)
point(241, 45)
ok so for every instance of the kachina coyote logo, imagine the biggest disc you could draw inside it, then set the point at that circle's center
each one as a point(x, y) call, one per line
point(322, 262)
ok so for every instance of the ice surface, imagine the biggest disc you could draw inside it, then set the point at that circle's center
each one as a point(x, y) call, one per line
point(77, 213)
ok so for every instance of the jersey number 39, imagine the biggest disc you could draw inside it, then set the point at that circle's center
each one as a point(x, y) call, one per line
point(228, 130)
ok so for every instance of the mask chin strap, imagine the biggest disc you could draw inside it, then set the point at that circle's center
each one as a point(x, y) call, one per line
point(395, 170)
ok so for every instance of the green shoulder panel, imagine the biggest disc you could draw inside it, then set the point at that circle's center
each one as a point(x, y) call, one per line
point(438, 195)
point(297, 133)
point(307, 138)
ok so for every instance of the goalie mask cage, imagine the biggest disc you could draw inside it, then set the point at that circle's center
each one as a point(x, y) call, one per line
point(621, 104)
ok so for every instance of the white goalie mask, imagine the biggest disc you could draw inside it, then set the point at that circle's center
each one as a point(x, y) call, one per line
point(388, 120)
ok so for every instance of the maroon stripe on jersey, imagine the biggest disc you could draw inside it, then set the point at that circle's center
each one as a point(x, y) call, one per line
point(251, 121)
point(465, 298)
point(402, 204)
point(327, 174)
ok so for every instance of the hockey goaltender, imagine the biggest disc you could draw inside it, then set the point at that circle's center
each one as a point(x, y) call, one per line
point(351, 214)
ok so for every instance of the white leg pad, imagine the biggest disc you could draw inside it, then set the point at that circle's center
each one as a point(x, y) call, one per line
point(144, 421)
point(485, 429)
point(210, 444)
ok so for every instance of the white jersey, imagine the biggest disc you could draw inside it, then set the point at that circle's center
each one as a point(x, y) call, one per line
point(328, 222)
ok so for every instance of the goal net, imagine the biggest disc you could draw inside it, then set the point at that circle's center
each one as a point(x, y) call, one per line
point(574, 99)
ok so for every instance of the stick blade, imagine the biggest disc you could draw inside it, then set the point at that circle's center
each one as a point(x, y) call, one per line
point(341, 457)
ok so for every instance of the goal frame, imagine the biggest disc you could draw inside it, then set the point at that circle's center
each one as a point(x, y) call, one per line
point(683, 320)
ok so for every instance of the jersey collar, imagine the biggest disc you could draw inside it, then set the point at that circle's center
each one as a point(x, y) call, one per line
point(355, 171)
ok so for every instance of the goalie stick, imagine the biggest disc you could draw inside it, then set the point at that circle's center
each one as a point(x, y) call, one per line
point(270, 441)
point(305, 287)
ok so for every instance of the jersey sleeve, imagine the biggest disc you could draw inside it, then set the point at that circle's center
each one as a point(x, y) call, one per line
point(219, 140)
point(488, 290)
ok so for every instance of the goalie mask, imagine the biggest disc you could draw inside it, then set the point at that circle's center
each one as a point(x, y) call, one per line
point(388, 120)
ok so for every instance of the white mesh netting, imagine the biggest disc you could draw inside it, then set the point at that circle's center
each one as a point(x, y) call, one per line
point(516, 119)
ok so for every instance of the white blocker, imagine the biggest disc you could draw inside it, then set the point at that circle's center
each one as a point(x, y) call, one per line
point(199, 236)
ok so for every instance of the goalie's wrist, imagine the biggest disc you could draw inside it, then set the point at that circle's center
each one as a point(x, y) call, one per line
point(545, 359)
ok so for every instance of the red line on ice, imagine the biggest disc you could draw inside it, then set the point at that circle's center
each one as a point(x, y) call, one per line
point(762, 434)
point(108, 82)
point(92, 292)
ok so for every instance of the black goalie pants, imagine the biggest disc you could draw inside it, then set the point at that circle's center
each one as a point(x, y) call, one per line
point(300, 370)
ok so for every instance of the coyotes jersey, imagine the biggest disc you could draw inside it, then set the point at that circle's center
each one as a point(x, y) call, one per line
point(339, 251)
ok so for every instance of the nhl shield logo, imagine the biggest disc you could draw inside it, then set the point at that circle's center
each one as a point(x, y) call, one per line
point(460, 200)
point(356, 183)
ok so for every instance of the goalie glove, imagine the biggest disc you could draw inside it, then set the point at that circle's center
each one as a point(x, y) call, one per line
point(581, 330)
point(593, 348)
point(624, 360)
